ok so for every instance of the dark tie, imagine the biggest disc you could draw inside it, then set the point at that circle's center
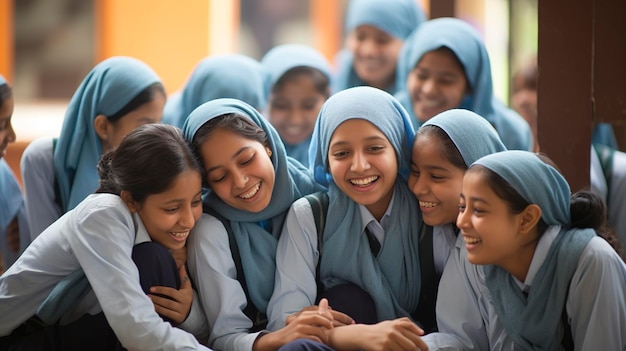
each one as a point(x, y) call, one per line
point(374, 244)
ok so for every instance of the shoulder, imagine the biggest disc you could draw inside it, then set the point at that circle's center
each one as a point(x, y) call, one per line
point(209, 231)
point(598, 256)
point(38, 149)
point(106, 206)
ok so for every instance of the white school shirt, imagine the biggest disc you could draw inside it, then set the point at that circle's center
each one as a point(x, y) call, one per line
point(297, 256)
point(223, 299)
point(444, 238)
point(616, 210)
point(38, 178)
point(596, 293)
point(97, 236)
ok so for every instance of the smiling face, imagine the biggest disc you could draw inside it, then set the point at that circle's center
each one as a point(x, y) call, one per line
point(294, 107)
point(170, 215)
point(435, 181)
point(363, 164)
point(7, 134)
point(436, 84)
point(238, 170)
point(375, 54)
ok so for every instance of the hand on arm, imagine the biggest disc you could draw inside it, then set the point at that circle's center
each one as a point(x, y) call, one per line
point(398, 334)
point(177, 302)
point(339, 319)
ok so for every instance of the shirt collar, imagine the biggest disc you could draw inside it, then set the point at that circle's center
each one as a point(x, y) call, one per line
point(141, 234)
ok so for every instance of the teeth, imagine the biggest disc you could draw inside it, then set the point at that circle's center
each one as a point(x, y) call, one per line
point(251, 193)
point(427, 204)
point(180, 234)
point(430, 103)
point(471, 240)
point(364, 181)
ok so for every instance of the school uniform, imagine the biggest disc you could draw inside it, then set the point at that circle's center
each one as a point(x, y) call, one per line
point(12, 207)
point(110, 86)
point(397, 18)
point(281, 59)
point(212, 266)
point(466, 43)
point(612, 188)
point(221, 76)
point(77, 242)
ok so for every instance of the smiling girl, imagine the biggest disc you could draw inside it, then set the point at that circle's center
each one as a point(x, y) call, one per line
point(120, 239)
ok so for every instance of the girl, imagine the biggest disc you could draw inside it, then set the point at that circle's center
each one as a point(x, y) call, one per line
point(551, 278)
point(444, 148)
point(148, 201)
point(375, 33)
point(445, 65)
point(360, 148)
point(221, 76)
point(299, 83)
point(14, 233)
point(251, 184)
point(118, 95)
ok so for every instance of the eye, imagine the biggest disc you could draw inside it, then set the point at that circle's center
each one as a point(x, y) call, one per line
point(415, 171)
point(170, 210)
point(218, 179)
point(461, 208)
point(196, 202)
point(248, 161)
point(375, 148)
point(340, 154)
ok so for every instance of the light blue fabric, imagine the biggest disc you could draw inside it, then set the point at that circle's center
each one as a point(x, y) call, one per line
point(603, 134)
point(11, 207)
point(466, 43)
point(279, 61)
point(473, 136)
point(109, 86)
point(257, 247)
point(393, 277)
point(534, 322)
point(397, 18)
point(3, 80)
point(222, 76)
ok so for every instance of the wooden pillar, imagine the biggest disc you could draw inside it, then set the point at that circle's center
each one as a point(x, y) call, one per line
point(6, 39)
point(564, 91)
point(442, 8)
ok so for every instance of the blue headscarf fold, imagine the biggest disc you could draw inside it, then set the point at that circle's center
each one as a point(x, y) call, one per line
point(472, 135)
point(396, 17)
point(257, 246)
point(222, 76)
point(283, 58)
point(393, 277)
point(534, 322)
point(466, 43)
point(109, 86)
point(11, 207)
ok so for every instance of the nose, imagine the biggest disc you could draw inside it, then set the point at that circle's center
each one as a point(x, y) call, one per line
point(359, 162)
point(462, 219)
point(366, 47)
point(10, 135)
point(239, 179)
point(429, 86)
point(187, 217)
point(417, 185)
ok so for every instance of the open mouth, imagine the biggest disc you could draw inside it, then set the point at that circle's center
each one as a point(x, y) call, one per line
point(364, 181)
point(427, 204)
point(249, 194)
point(180, 236)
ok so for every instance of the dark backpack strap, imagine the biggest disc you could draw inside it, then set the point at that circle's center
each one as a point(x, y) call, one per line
point(259, 320)
point(319, 206)
point(425, 313)
point(57, 190)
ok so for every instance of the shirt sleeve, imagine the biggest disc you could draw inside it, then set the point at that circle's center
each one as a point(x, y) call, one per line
point(102, 240)
point(596, 304)
point(617, 196)
point(223, 300)
point(196, 322)
point(297, 254)
point(38, 179)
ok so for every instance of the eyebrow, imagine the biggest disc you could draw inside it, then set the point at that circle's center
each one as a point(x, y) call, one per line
point(181, 200)
point(209, 170)
point(371, 138)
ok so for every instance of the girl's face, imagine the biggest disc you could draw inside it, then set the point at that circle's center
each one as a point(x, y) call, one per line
point(363, 164)
point(493, 234)
point(114, 132)
point(436, 84)
point(294, 109)
point(238, 169)
point(7, 134)
point(375, 55)
point(170, 215)
point(435, 181)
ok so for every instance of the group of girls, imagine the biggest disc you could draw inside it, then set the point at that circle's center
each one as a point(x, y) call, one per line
point(391, 228)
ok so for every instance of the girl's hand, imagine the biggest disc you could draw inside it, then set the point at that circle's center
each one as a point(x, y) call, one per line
point(394, 335)
point(173, 304)
point(339, 318)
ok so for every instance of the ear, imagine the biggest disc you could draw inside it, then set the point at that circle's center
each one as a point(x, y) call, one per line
point(101, 125)
point(269, 151)
point(530, 217)
point(128, 200)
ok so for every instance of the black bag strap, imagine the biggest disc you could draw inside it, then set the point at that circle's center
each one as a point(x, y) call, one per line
point(259, 320)
point(425, 313)
point(57, 190)
point(319, 206)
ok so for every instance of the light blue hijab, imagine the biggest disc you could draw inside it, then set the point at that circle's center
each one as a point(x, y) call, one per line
point(466, 43)
point(534, 322)
point(11, 207)
point(257, 246)
point(109, 86)
point(392, 278)
point(278, 61)
point(395, 17)
point(472, 135)
point(222, 76)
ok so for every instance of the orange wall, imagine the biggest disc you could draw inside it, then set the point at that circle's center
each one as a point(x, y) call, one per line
point(170, 36)
point(6, 39)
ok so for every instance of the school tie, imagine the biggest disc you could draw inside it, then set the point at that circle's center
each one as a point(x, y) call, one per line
point(374, 243)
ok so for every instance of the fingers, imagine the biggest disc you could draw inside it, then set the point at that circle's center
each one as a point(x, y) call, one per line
point(341, 319)
point(323, 306)
point(184, 278)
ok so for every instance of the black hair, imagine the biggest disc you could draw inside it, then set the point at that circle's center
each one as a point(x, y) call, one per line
point(450, 152)
point(145, 96)
point(319, 79)
point(526, 77)
point(146, 162)
point(5, 93)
